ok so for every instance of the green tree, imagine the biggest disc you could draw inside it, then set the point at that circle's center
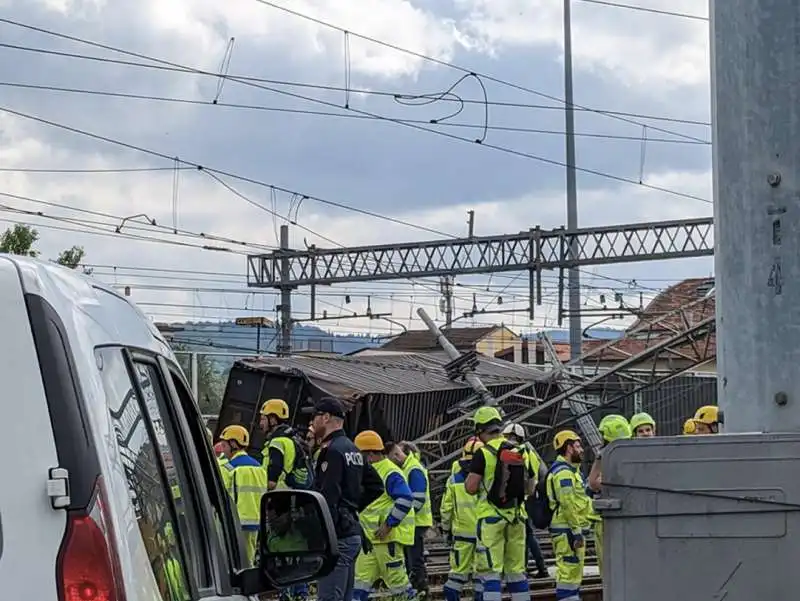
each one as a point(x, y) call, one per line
point(71, 257)
point(21, 239)
point(210, 379)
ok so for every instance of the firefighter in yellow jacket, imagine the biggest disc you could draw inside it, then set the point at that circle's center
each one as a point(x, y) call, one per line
point(246, 486)
point(500, 508)
point(388, 524)
point(459, 525)
point(571, 507)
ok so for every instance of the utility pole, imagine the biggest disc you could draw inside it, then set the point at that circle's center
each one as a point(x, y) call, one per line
point(711, 505)
point(446, 288)
point(285, 343)
point(573, 277)
point(756, 141)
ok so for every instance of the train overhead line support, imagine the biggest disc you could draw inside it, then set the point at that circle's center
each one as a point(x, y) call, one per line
point(534, 250)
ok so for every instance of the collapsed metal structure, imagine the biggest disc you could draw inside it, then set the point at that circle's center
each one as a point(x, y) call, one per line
point(648, 355)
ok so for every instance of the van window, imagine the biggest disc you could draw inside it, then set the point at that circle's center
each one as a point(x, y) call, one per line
point(222, 511)
point(151, 470)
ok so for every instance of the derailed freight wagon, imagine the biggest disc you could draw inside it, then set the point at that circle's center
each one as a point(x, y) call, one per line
point(403, 396)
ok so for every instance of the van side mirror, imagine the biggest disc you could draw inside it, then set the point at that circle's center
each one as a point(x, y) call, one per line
point(297, 539)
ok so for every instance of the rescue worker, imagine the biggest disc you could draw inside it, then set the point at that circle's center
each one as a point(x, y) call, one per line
point(459, 526)
point(281, 449)
point(348, 487)
point(643, 425)
point(223, 463)
point(388, 523)
point(500, 530)
point(690, 427)
point(247, 484)
point(612, 427)
point(707, 420)
point(571, 507)
point(406, 457)
point(516, 434)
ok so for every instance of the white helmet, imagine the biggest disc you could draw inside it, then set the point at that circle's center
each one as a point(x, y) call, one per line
point(515, 430)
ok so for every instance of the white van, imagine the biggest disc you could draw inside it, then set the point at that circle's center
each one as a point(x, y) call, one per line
point(110, 490)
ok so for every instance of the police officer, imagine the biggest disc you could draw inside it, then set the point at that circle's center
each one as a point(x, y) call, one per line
point(348, 486)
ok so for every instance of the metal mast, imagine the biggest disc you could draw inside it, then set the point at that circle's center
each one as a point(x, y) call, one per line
point(755, 45)
point(573, 277)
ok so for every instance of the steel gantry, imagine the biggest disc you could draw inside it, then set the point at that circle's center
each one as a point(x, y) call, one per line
point(533, 250)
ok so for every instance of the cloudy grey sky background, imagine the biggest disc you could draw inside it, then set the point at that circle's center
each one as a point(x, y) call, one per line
point(624, 60)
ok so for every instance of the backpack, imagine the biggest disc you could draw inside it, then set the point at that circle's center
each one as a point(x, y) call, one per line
point(510, 476)
point(301, 474)
point(538, 505)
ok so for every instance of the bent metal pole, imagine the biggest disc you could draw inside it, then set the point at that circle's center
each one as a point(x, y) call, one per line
point(453, 353)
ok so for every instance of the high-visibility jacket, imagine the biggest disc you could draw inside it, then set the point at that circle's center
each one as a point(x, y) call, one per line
point(285, 445)
point(175, 582)
point(485, 509)
point(533, 461)
point(458, 507)
point(225, 470)
point(422, 499)
point(566, 490)
point(384, 507)
point(248, 484)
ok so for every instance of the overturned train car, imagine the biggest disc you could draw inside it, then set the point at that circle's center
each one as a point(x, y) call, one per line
point(403, 396)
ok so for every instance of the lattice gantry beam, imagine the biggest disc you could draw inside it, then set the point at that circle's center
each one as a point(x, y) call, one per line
point(535, 249)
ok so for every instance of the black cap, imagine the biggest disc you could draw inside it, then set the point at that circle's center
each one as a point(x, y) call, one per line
point(330, 405)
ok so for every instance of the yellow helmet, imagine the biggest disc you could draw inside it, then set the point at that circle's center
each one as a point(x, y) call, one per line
point(642, 419)
point(473, 444)
point(276, 407)
point(614, 427)
point(690, 426)
point(708, 414)
point(236, 433)
point(563, 437)
point(369, 440)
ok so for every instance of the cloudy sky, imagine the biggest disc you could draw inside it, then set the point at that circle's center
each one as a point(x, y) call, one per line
point(280, 119)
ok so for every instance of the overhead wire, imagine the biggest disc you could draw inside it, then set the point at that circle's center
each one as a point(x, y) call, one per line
point(645, 9)
point(134, 225)
point(399, 97)
point(315, 113)
point(444, 63)
point(444, 134)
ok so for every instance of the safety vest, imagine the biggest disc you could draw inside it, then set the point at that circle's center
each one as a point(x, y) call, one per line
point(422, 517)
point(289, 542)
point(566, 490)
point(175, 581)
point(458, 508)
point(533, 461)
point(485, 509)
point(377, 512)
point(225, 469)
point(285, 447)
point(247, 485)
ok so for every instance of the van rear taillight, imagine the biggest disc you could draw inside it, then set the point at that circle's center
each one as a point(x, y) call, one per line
point(88, 564)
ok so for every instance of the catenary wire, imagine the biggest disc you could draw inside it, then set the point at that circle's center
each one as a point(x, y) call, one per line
point(444, 63)
point(85, 171)
point(137, 225)
point(361, 91)
point(250, 180)
point(310, 112)
point(655, 11)
point(216, 172)
point(388, 119)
